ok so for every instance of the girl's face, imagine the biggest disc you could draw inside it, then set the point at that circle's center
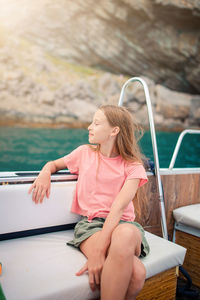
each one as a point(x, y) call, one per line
point(100, 130)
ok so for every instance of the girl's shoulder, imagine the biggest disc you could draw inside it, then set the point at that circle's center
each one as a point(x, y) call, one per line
point(86, 148)
point(134, 166)
point(136, 170)
point(132, 163)
point(83, 147)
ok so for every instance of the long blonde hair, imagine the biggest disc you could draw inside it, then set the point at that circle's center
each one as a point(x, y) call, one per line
point(130, 132)
point(127, 138)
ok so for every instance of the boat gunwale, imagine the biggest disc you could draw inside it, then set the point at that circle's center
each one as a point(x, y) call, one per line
point(24, 177)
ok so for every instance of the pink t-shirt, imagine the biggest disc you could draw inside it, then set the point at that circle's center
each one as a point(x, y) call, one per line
point(100, 179)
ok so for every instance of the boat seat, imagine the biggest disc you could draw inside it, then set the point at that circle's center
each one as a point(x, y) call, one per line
point(188, 218)
point(187, 234)
point(42, 266)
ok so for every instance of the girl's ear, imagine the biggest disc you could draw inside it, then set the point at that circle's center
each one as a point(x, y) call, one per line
point(115, 131)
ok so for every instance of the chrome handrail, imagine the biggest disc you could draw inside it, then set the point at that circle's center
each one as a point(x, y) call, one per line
point(178, 144)
point(154, 144)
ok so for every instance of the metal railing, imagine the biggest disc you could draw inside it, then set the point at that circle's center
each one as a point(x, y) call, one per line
point(178, 144)
point(154, 145)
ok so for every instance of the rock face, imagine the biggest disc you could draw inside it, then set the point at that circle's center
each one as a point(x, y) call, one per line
point(41, 85)
point(159, 39)
point(50, 92)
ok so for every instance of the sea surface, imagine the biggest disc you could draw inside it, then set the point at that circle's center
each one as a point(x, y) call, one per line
point(25, 149)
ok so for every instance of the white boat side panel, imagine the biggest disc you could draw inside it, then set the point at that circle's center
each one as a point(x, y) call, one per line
point(19, 178)
point(28, 177)
point(43, 268)
point(177, 171)
point(18, 212)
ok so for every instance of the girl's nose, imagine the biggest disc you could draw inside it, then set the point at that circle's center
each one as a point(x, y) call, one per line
point(91, 126)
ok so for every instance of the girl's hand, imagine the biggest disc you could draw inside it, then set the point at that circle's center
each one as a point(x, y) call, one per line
point(94, 266)
point(41, 187)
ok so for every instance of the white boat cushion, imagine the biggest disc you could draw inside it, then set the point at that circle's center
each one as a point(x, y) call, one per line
point(43, 267)
point(18, 212)
point(188, 215)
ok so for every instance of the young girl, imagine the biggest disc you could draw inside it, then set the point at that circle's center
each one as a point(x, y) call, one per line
point(109, 172)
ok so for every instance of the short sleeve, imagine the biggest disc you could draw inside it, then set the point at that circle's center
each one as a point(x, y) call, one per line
point(136, 170)
point(72, 160)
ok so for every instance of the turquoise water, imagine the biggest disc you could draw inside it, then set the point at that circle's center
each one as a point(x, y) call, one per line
point(25, 149)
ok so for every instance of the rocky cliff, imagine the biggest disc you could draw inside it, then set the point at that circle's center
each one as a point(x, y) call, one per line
point(52, 55)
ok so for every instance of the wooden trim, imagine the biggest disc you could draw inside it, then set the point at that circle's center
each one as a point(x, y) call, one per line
point(147, 206)
point(179, 190)
point(161, 286)
point(192, 258)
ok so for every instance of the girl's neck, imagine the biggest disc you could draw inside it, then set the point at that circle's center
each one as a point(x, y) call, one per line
point(108, 151)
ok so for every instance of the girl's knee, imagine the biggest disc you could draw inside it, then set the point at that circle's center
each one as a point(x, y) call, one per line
point(128, 233)
point(125, 240)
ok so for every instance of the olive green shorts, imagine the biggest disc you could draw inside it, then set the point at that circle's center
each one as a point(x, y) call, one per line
point(85, 229)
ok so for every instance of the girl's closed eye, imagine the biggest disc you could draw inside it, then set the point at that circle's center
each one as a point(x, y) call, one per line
point(96, 122)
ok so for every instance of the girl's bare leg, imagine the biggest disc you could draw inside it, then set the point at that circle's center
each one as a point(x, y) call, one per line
point(123, 274)
point(137, 280)
point(118, 267)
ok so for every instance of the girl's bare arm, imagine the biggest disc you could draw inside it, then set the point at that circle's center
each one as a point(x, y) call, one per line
point(42, 184)
point(96, 260)
point(126, 195)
